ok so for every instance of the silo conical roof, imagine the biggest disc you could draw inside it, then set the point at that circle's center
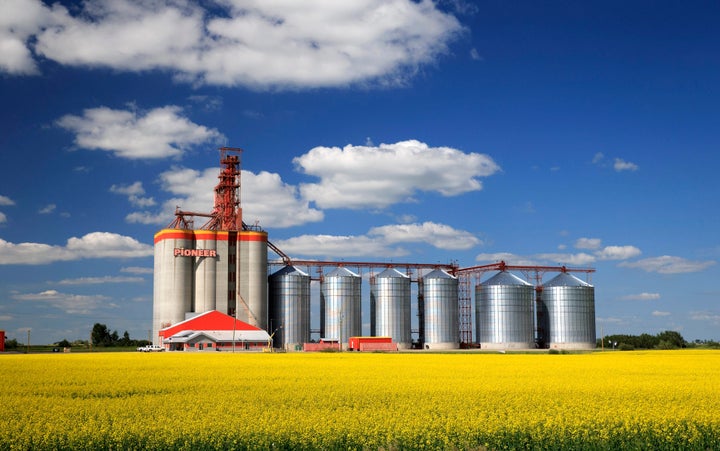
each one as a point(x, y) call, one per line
point(438, 274)
point(566, 280)
point(290, 270)
point(391, 272)
point(341, 271)
point(505, 278)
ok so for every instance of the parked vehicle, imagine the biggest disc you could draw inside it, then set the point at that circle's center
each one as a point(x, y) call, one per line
point(151, 348)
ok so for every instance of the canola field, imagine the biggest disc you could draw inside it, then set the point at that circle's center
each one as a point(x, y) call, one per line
point(455, 401)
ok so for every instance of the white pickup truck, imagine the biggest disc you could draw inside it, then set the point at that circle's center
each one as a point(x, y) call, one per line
point(151, 348)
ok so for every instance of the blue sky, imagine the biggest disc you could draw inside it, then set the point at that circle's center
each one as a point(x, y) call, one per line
point(577, 133)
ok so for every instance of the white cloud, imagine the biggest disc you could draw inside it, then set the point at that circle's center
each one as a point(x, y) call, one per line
point(598, 158)
point(3, 218)
point(46, 210)
point(659, 313)
point(100, 280)
point(92, 245)
point(622, 165)
point(379, 241)
point(137, 270)
point(618, 252)
point(508, 258)
point(268, 43)
point(439, 235)
point(568, 259)
point(134, 193)
point(642, 297)
point(158, 133)
point(19, 20)
point(579, 259)
point(667, 264)
point(265, 198)
point(361, 176)
point(338, 246)
point(69, 303)
point(6, 201)
point(712, 317)
point(588, 243)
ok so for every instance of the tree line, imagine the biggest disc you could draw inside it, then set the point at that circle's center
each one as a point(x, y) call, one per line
point(668, 339)
point(102, 337)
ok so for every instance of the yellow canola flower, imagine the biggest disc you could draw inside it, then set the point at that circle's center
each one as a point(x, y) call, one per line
point(612, 400)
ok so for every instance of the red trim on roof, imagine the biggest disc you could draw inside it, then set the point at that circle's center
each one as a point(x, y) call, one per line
point(212, 320)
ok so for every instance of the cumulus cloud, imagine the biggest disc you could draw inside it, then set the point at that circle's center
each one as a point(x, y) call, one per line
point(158, 133)
point(439, 235)
point(265, 198)
point(338, 246)
point(134, 193)
point(365, 176)
point(668, 264)
point(69, 303)
point(100, 280)
point(137, 270)
point(379, 241)
point(579, 259)
point(46, 210)
point(507, 257)
point(20, 20)
point(568, 259)
point(262, 44)
point(92, 245)
point(6, 201)
point(660, 313)
point(712, 317)
point(588, 243)
point(622, 165)
point(642, 297)
point(618, 252)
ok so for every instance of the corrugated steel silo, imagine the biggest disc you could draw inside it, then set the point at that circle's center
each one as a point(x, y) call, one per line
point(252, 304)
point(504, 312)
point(224, 286)
point(205, 267)
point(568, 306)
point(440, 316)
point(172, 278)
point(289, 312)
point(340, 305)
point(390, 296)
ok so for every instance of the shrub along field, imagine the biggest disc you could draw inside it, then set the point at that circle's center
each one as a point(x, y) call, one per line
point(610, 400)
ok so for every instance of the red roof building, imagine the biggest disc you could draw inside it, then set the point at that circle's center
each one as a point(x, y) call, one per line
point(213, 331)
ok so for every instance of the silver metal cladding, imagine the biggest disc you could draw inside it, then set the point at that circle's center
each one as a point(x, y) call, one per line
point(504, 312)
point(390, 299)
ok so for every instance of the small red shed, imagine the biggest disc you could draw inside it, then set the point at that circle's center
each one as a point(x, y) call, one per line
point(371, 344)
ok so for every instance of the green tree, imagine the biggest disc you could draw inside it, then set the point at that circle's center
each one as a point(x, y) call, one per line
point(63, 343)
point(670, 339)
point(100, 335)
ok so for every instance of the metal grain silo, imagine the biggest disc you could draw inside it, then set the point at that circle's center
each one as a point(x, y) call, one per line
point(390, 297)
point(504, 312)
point(567, 307)
point(204, 270)
point(440, 315)
point(340, 305)
point(172, 278)
point(224, 283)
point(252, 302)
point(289, 312)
